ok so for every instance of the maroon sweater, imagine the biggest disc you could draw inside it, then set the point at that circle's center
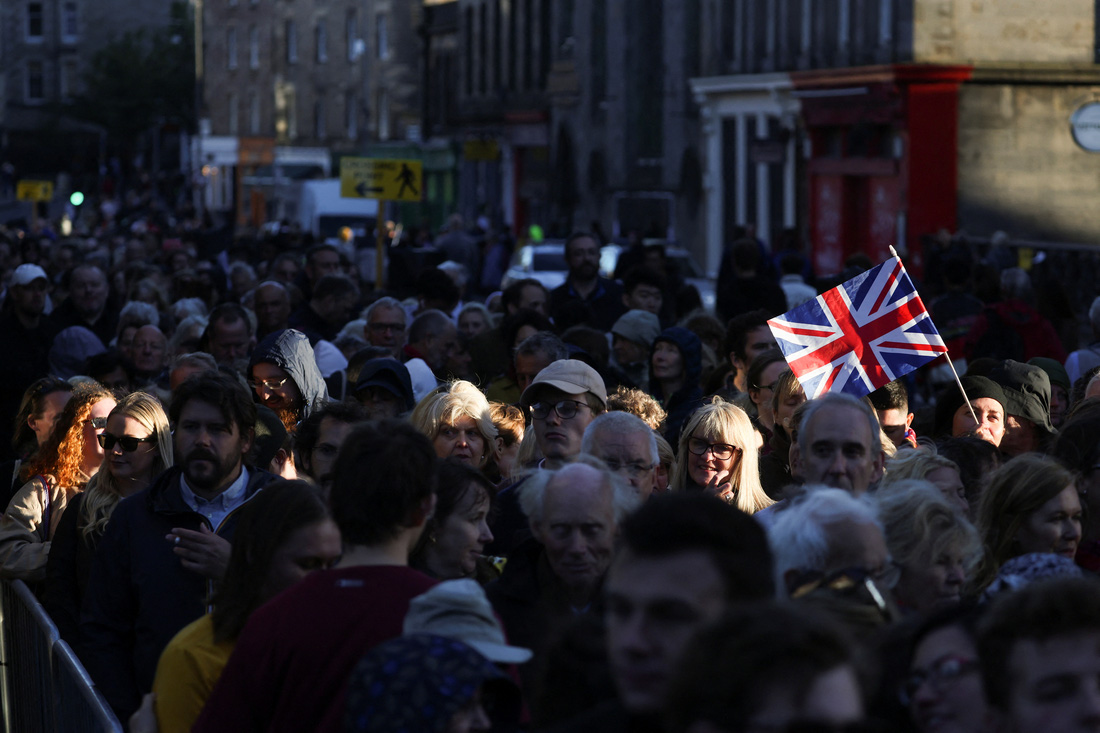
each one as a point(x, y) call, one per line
point(289, 670)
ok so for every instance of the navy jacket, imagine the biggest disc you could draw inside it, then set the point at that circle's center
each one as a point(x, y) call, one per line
point(139, 595)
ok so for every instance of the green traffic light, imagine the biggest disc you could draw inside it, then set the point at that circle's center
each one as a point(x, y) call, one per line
point(77, 198)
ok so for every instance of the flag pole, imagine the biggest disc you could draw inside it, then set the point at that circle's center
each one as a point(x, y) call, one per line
point(947, 356)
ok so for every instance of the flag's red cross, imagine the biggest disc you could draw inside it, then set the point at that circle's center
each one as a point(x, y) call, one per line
point(858, 339)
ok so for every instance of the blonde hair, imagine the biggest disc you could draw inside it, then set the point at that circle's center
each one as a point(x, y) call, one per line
point(1016, 490)
point(637, 402)
point(920, 524)
point(103, 492)
point(914, 464)
point(728, 424)
point(450, 403)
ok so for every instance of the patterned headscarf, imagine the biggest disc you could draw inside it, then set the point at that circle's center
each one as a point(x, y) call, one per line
point(415, 683)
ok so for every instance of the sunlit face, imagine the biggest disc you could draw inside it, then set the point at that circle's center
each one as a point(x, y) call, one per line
point(461, 537)
point(1054, 527)
point(702, 469)
point(462, 440)
point(52, 405)
point(991, 420)
point(93, 454)
point(784, 413)
point(578, 528)
point(285, 396)
point(840, 450)
point(948, 481)
point(130, 467)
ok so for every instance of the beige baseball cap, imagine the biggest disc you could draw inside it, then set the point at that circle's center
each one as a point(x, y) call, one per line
point(569, 375)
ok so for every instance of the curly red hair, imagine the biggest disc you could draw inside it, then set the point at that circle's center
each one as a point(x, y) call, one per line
point(62, 455)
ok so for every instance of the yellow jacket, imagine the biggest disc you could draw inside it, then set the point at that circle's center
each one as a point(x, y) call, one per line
point(188, 669)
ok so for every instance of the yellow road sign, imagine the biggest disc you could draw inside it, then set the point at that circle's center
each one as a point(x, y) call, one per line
point(34, 190)
point(376, 178)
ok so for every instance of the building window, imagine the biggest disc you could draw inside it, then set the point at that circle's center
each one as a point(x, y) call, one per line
point(70, 78)
point(291, 42)
point(231, 48)
point(381, 41)
point(253, 47)
point(35, 23)
point(351, 35)
point(70, 27)
point(36, 81)
point(319, 119)
point(234, 114)
point(351, 116)
point(254, 113)
point(383, 115)
point(321, 39)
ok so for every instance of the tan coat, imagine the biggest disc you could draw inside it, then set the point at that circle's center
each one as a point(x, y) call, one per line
point(24, 540)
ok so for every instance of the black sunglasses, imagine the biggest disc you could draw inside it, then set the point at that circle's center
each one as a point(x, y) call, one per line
point(128, 442)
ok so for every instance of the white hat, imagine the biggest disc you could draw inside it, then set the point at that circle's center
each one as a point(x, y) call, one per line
point(459, 609)
point(28, 273)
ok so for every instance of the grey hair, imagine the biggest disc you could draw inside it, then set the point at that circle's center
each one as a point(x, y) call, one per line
point(190, 327)
point(428, 324)
point(384, 302)
point(532, 492)
point(195, 359)
point(138, 313)
point(839, 399)
point(797, 536)
point(543, 342)
point(185, 307)
point(622, 423)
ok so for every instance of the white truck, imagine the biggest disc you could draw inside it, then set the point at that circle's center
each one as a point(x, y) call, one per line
point(323, 212)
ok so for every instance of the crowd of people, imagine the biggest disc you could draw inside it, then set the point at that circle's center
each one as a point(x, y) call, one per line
point(255, 495)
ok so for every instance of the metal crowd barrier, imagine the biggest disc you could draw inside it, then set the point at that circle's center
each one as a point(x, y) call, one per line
point(43, 686)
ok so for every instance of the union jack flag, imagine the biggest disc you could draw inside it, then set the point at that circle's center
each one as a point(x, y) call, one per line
point(859, 335)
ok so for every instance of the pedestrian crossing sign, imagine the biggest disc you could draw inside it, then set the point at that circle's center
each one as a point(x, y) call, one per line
point(377, 178)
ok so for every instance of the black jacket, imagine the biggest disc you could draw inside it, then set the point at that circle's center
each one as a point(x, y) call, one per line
point(290, 350)
point(139, 595)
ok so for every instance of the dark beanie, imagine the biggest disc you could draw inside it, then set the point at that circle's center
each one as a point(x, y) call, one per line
point(950, 400)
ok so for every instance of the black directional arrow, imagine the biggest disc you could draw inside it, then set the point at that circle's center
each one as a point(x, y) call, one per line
point(362, 189)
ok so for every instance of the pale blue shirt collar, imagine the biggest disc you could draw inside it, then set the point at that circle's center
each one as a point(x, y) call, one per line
point(217, 509)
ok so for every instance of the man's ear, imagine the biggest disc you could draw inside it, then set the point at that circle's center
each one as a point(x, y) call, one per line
point(626, 300)
point(248, 437)
point(880, 467)
point(909, 420)
point(796, 459)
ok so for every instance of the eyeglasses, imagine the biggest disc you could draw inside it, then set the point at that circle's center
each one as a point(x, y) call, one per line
point(633, 470)
point(769, 387)
point(721, 451)
point(128, 443)
point(96, 422)
point(271, 384)
point(566, 409)
point(942, 673)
